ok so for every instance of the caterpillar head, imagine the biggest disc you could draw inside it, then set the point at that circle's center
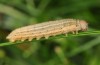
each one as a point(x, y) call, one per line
point(82, 25)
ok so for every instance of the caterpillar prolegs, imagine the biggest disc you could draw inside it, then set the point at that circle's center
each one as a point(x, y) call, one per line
point(46, 29)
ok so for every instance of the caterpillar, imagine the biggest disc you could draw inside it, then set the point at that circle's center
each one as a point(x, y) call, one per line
point(47, 29)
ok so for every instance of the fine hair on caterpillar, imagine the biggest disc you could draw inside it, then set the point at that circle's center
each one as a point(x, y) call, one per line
point(47, 29)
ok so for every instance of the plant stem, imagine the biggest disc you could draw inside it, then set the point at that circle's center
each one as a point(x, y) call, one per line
point(70, 35)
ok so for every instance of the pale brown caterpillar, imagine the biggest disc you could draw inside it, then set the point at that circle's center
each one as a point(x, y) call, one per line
point(47, 29)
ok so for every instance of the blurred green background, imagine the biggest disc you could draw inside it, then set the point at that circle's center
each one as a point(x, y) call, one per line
point(83, 50)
